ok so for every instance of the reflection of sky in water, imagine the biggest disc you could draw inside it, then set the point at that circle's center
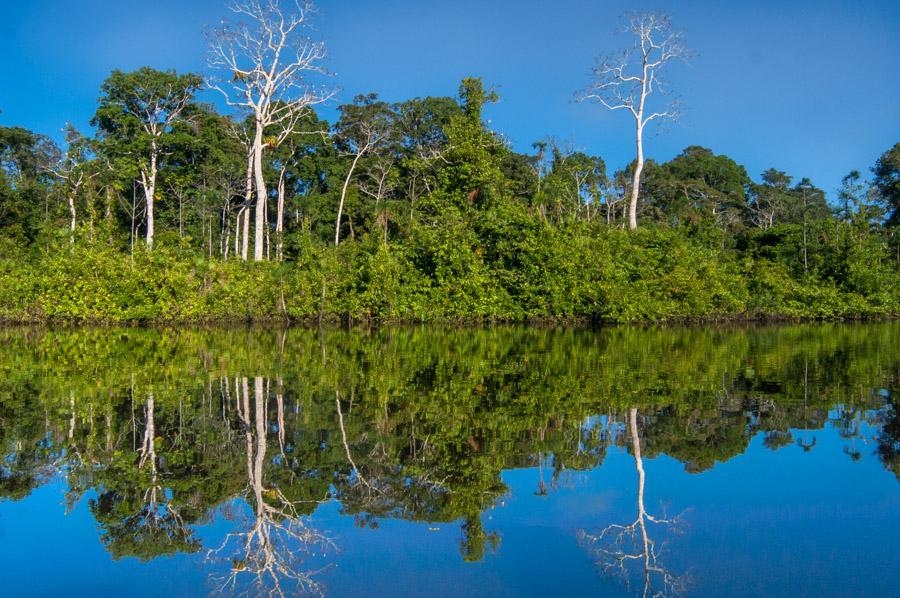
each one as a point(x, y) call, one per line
point(801, 510)
point(784, 522)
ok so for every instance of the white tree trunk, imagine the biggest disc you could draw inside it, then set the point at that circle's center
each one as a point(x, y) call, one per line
point(337, 223)
point(72, 218)
point(636, 181)
point(260, 194)
point(279, 219)
point(243, 222)
point(237, 234)
point(245, 239)
point(149, 184)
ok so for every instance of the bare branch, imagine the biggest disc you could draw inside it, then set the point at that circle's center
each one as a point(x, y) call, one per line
point(628, 80)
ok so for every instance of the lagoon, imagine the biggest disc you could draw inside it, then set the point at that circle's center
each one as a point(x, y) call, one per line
point(446, 461)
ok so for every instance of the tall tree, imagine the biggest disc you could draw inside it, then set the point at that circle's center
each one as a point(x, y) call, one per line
point(267, 61)
point(573, 182)
point(137, 113)
point(472, 173)
point(701, 182)
point(770, 199)
point(73, 170)
point(809, 204)
point(422, 127)
point(363, 126)
point(627, 80)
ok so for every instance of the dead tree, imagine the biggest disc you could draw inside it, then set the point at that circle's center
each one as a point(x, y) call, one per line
point(627, 80)
point(266, 62)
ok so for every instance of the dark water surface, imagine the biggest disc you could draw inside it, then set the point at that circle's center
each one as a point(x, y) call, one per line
point(451, 462)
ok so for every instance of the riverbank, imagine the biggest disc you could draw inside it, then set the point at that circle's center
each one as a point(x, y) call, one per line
point(604, 277)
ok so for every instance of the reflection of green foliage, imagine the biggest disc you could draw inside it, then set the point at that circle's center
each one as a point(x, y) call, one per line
point(17, 479)
point(889, 440)
point(476, 542)
point(408, 423)
point(698, 440)
point(776, 439)
point(145, 533)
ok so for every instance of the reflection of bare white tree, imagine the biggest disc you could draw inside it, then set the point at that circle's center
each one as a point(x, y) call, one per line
point(267, 556)
point(148, 451)
point(620, 549)
point(157, 514)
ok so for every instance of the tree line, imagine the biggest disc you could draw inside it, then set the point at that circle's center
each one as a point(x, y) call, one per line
point(429, 198)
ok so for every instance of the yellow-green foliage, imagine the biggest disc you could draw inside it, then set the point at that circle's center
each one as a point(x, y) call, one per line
point(509, 266)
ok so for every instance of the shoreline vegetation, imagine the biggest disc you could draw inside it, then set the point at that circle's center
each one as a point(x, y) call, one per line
point(641, 276)
point(413, 211)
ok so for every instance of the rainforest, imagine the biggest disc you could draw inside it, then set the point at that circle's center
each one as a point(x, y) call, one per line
point(173, 210)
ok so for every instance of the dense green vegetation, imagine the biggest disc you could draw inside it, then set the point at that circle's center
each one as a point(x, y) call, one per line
point(160, 430)
point(414, 210)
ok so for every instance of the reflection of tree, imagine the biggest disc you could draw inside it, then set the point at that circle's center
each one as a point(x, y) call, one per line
point(140, 519)
point(424, 425)
point(622, 549)
point(776, 439)
point(889, 439)
point(26, 458)
point(268, 555)
point(413, 471)
point(477, 542)
point(399, 473)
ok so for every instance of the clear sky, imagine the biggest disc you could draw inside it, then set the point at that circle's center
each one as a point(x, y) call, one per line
point(811, 87)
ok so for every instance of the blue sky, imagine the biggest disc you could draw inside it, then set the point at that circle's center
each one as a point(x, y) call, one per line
point(809, 87)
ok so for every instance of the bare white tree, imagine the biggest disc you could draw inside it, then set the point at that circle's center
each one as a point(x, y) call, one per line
point(380, 184)
point(267, 60)
point(72, 169)
point(627, 80)
point(368, 137)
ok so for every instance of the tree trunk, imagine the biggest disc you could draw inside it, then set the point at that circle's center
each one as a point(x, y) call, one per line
point(337, 223)
point(237, 233)
point(243, 226)
point(225, 233)
point(148, 181)
point(636, 181)
point(72, 215)
point(279, 219)
point(805, 260)
point(260, 194)
point(89, 197)
point(245, 240)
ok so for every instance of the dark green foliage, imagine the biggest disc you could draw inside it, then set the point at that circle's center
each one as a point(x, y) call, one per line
point(25, 183)
point(509, 266)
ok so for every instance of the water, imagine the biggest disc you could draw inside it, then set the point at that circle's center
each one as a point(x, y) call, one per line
point(451, 462)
